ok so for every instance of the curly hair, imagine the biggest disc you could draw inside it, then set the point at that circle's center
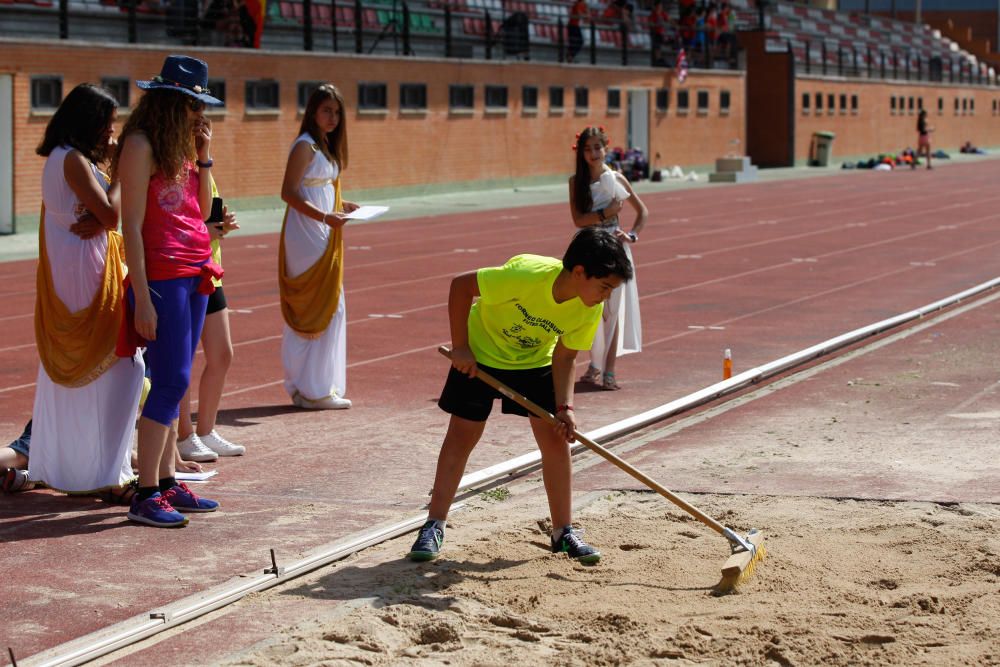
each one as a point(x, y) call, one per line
point(161, 115)
point(581, 183)
point(80, 122)
point(333, 144)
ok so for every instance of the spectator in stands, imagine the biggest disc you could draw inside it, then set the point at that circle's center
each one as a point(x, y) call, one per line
point(596, 197)
point(659, 22)
point(248, 25)
point(923, 137)
point(727, 41)
point(700, 37)
point(85, 397)
point(164, 162)
point(688, 26)
point(618, 13)
point(686, 7)
point(577, 13)
point(711, 28)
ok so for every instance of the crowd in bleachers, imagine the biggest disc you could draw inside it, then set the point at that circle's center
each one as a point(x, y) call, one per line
point(821, 40)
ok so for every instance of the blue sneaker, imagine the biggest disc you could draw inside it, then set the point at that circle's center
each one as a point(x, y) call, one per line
point(187, 500)
point(574, 547)
point(428, 543)
point(156, 511)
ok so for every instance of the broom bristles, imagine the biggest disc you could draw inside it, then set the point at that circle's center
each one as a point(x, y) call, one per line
point(734, 577)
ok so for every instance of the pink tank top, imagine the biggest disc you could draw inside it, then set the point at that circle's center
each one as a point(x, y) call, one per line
point(174, 232)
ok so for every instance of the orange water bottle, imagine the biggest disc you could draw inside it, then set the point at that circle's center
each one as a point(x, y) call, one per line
point(727, 364)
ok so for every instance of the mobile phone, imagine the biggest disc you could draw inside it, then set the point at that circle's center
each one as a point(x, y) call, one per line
point(216, 214)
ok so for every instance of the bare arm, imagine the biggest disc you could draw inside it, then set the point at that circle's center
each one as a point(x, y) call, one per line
point(641, 212)
point(464, 288)
point(563, 365)
point(589, 219)
point(136, 167)
point(104, 206)
point(295, 169)
point(203, 143)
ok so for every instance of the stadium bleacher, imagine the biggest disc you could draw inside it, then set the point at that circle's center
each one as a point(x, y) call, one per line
point(822, 41)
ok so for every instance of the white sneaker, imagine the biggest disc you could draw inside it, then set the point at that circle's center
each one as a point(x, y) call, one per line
point(331, 402)
point(192, 448)
point(221, 446)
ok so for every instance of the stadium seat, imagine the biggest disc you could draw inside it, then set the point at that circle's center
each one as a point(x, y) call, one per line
point(322, 14)
point(345, 16)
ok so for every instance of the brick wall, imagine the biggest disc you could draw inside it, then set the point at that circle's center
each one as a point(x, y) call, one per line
point(394, 150)
point(876, 127)
point(388, 150)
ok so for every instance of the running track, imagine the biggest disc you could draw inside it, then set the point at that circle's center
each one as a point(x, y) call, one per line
point(762, 269)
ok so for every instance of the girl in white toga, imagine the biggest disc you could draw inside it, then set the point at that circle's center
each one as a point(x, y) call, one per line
point(311, 254)
point(596, 197)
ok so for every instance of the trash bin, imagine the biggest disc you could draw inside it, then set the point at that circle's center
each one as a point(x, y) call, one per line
point(820, 149)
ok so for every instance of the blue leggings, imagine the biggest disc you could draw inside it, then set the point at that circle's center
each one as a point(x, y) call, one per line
point(180, 315)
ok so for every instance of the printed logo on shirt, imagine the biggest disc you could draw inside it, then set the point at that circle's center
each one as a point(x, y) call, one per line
point(171, 197)
point(518, 332)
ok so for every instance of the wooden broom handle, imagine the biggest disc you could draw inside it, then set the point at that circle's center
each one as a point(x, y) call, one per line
point(541, 413)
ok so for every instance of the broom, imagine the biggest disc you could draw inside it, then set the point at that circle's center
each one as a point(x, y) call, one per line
point(745, 550)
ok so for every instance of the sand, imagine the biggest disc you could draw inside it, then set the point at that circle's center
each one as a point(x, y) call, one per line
point(845, 582)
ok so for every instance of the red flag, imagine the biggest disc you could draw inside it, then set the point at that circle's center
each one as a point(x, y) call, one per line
point(257, 10)
point(681, 67)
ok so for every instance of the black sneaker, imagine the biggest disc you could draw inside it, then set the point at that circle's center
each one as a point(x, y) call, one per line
point(571, 544)
point(428, 543)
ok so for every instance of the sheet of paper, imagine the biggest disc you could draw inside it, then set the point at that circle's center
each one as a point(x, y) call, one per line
point(367, 212)
point(195, 476)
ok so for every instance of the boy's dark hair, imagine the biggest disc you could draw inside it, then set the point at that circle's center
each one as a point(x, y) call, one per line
point(599, 252)
point(80, 122)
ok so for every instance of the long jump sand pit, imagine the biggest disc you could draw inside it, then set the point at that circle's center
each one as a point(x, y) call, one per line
point(845, 582)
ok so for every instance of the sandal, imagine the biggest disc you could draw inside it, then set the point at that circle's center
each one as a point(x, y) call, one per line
point(119, 495)
point(609, 382)
point(13, 480)
point(593, 375)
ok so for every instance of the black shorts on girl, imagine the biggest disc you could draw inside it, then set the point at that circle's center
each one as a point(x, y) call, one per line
point(216, 301)
point(472, 399)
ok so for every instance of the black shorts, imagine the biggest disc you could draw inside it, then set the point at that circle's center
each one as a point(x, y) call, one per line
point(216, 301)
point(472, 399)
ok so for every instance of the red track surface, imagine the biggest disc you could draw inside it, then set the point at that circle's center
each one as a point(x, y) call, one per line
point(763, 269)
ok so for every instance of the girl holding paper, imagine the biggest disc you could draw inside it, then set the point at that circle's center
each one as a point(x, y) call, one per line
point(311, 257)
point(596, 197)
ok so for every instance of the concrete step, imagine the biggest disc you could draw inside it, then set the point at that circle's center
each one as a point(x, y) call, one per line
point(733, 164)
point(733, 176)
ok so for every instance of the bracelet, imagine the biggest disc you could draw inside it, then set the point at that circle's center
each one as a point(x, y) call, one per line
point(600, 214)
point(563, 408)
point(205, 165)
point(633, 236)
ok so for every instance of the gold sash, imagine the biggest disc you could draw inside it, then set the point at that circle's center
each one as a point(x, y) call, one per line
point(76, 348)
point(309, 301)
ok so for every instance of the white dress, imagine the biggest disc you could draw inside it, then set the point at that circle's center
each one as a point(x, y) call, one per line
point(316, 367)
point(621, 310)
point(81, 438)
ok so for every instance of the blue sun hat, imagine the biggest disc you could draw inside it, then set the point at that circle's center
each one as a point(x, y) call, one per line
point(185, 75)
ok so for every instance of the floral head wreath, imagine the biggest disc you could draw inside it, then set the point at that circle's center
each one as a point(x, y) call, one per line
point(607, 139)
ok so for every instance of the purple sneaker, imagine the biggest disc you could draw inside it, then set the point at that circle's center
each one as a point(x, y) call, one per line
point(187, 500)
point(156, 511)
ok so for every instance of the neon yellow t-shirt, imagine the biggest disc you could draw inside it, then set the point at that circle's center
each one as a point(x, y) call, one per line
point(217, 258)
point(515, 323)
